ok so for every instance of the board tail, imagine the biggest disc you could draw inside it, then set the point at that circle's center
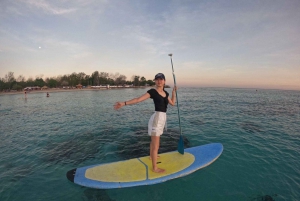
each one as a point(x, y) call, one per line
point(180, 145)
point(71, 174)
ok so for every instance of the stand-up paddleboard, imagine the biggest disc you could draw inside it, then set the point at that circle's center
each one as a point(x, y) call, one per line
point(138, 171)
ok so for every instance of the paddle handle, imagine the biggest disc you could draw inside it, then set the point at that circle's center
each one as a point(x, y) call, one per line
point(176, 97)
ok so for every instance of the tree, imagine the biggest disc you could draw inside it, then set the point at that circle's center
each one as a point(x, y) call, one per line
point(122, 79)
point(88, 80)
point(30, 82)
point(17, 87)
point(95, 76)
point(103, 78)
point(21, 78)
point(143, 81)
point(150, 82)
point(59, 80)
point(9, 78)
point(110, 81)
point(119, 79)
point(21, 81)
point(136, 80)
point(64, 83)
point(2, 84)
point(74, 79)
point(81, 77)
point(39, 82)
point(129, 82)
point(85, 80)
point(64, 80)
point(52, 83)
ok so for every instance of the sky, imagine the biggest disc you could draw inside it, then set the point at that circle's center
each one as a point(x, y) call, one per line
point(240, 44)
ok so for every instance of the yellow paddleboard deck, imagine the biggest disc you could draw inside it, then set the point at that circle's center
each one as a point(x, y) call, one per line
point(138, 171)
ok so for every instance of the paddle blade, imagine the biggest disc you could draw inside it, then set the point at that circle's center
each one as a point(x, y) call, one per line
point(180, 145)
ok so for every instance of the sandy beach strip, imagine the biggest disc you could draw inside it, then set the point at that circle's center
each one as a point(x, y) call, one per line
point(63, 90)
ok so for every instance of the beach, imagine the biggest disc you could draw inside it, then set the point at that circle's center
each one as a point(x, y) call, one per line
point(54, 90)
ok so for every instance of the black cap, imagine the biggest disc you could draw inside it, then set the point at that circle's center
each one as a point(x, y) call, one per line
point(160, 75)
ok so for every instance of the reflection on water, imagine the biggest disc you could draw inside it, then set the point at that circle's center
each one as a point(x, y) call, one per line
point(75, 149)
point(96, 195)
point(132, 144)
point(137, 143)
point(264, 198)
point(251, 127)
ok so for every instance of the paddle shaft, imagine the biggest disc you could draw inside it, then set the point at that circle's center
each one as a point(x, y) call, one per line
point(176, 97)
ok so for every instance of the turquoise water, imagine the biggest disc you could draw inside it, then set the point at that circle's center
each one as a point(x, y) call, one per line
point(42, 138)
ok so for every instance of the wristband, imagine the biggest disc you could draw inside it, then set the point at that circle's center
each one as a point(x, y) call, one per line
point(125, 102)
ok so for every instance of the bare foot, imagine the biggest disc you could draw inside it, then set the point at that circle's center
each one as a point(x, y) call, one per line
point(158, 170)
point(151, 158)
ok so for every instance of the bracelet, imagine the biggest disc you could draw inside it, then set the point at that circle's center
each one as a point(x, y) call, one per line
point(125, 103)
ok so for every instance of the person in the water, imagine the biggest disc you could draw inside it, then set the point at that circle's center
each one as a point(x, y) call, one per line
point(158, 119)
point(48, 94)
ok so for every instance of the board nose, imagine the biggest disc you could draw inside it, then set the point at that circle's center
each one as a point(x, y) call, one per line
point(71, 174)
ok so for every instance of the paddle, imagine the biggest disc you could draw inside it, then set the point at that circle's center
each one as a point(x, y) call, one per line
point(180, 147)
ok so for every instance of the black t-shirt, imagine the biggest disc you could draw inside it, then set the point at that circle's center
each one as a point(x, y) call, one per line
point(159, 101)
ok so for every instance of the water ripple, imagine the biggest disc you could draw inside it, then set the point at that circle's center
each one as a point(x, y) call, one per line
point(41, 138)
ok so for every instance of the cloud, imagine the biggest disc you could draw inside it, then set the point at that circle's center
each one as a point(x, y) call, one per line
point(49, 8)
point(30, 43)
point(211, 40)
point(67, 48)
point(13, 42)
point(53, 7)
point(14, 10)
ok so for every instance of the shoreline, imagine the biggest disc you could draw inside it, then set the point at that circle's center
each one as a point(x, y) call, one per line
point(51, 90)
point(65, 90)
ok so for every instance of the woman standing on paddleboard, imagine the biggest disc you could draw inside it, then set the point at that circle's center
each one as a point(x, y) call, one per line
point(158, 119)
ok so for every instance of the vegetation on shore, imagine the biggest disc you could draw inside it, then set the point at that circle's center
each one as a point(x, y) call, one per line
point(10, 82)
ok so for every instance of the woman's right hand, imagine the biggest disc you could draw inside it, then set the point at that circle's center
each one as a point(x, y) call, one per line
point(118, 105)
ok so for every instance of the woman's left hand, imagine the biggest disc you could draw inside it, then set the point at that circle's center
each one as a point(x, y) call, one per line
point(118, 105)
point(175, 88)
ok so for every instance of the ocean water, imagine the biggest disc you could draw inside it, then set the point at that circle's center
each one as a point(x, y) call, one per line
point(42, 138)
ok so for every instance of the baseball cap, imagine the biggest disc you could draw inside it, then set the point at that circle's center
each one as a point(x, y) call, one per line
point(160, 75)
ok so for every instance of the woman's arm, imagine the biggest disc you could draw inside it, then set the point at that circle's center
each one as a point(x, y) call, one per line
point(172, 100)
point(118, 105)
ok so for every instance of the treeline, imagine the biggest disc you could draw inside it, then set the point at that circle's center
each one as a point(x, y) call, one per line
point(10, 82)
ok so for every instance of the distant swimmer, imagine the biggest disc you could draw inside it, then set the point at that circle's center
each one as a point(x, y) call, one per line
point(25, 95)
point(48, 94)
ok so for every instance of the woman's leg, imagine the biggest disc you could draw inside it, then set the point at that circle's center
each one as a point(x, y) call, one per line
point(154, 146)
point(151, 151)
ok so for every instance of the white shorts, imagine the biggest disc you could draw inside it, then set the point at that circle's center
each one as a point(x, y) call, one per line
point(157, 123)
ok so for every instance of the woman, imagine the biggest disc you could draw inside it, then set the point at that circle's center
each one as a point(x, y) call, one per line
point(158, 119)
